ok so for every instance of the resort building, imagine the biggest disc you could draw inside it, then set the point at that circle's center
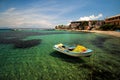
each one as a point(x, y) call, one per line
point(78, 24)
point(93, 24)
point(114, 20)
point(86, 24)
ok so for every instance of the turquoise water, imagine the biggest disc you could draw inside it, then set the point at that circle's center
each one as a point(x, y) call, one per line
point(29, 55)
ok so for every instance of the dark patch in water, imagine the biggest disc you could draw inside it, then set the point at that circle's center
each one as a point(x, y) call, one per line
point(66, 57)
point(99, 73)
point(15, 38)
point(103, 74)
point(99, 41)
point(111, 48)
point(27, 44)
point(18, 43)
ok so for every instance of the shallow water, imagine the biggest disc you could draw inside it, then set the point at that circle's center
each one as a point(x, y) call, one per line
point(29, 55)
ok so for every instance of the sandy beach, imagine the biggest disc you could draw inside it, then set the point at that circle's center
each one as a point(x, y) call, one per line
point(112, 33)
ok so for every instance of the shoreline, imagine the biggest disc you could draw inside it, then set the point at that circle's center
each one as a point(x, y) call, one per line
point(112, 33)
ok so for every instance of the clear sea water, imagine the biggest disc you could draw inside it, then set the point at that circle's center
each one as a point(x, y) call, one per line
point(29, 55)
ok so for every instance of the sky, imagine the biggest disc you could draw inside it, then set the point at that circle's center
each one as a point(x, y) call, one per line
point(49, 13)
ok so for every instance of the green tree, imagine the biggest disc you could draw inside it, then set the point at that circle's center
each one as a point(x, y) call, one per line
point(108, 27)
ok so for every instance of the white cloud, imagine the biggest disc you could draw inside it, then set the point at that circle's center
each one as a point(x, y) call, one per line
point(92, 17)
point(25, 18)
point(40, 13)
point(9, 10)
point(43, 16)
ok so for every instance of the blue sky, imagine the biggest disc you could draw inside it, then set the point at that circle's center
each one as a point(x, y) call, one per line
point(49, 13)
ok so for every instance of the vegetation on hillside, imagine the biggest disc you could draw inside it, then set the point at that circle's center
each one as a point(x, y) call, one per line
point(109, 27)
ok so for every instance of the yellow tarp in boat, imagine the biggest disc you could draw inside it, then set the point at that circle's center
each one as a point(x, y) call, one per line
point(79, 48)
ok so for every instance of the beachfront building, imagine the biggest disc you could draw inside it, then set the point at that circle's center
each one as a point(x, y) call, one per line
point(114, 20)
point(83, 25)
point(78, 24)
point(96, 23)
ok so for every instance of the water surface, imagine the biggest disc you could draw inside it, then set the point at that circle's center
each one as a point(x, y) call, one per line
point(29, 55)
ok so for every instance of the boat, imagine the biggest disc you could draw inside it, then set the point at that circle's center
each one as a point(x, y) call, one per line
point(75, 51)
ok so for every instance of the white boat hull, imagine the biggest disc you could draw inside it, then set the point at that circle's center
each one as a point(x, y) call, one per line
point(88, 52)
